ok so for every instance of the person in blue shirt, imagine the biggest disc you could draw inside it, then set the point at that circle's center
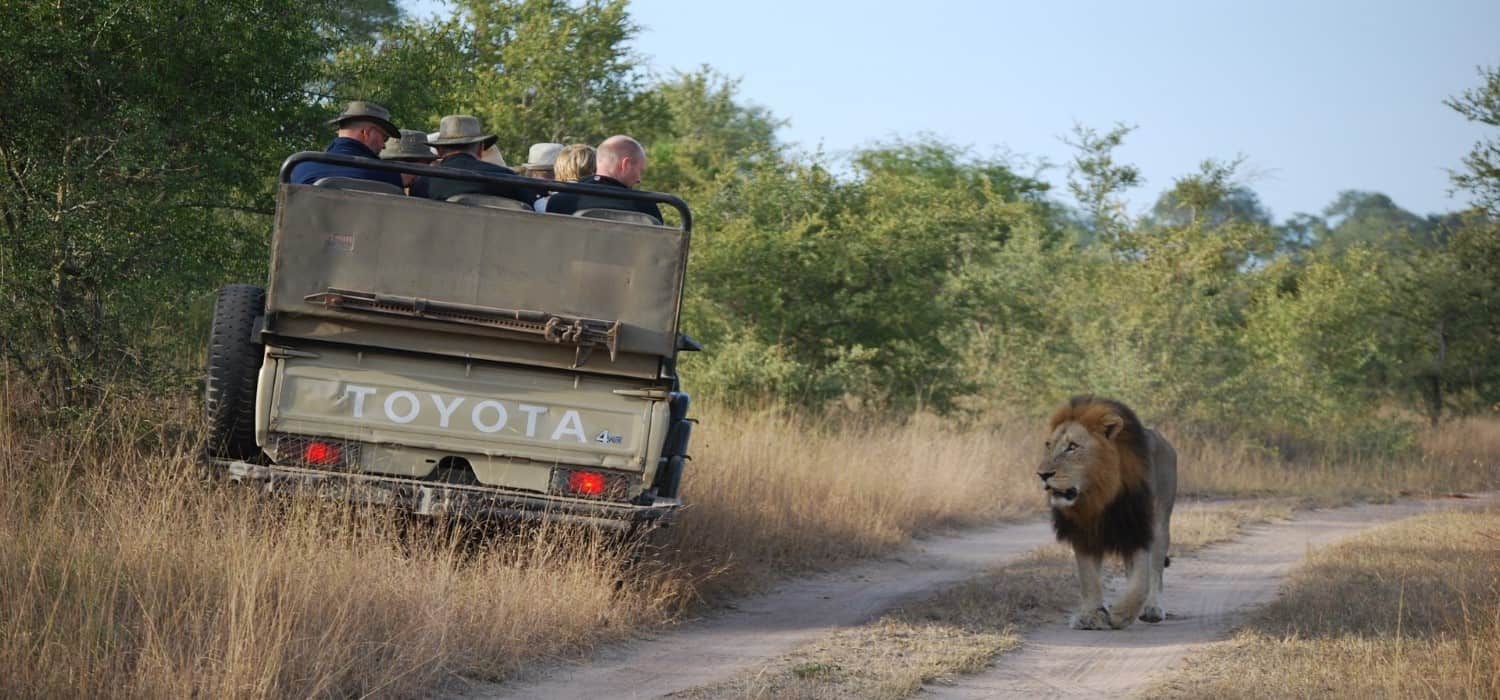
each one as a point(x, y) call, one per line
point(362, 131)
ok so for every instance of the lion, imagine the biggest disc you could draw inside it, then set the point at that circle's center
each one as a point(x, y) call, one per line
point(1111, 484)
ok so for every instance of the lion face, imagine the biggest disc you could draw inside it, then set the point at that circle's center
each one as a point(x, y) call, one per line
point(1079, 464)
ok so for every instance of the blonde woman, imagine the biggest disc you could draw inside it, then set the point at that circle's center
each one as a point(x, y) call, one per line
point(574, 163)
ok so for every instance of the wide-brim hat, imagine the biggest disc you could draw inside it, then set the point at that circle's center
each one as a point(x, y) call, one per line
point(542, 156)
point(367, 111)
point(461, 130)
point(412, 145)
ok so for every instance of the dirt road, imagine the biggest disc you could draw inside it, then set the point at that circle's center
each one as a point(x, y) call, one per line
point(1205, 594)
point(764, 627)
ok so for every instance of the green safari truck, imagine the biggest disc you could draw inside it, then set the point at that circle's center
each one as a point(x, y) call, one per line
point(467, 357)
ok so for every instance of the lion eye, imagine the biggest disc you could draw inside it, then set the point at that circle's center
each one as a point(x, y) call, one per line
point(1071, 446)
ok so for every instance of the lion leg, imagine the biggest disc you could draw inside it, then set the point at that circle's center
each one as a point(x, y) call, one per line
point(1125, 610)
point(1091, 615)
point(1153, 611)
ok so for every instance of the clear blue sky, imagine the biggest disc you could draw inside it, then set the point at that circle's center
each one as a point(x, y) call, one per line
point(1319, 96)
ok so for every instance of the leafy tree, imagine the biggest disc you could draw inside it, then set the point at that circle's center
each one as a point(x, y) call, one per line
point(864, 285)
point(361, 21)
point(1230, 203)
point(550, 70)
point(1374, 220)
point(708, 134)
point(1097, 181)
point(419, 69)
point(131, 133)
point(1450, 302)
point(1482, 178)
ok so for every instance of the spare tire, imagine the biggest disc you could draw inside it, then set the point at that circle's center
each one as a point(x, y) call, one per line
point(233, 369)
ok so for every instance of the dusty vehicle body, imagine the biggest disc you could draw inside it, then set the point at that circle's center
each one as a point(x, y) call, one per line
point(480, 360)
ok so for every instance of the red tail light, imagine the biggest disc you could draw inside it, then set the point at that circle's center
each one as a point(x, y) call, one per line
point(320, 453)
point(586, 483)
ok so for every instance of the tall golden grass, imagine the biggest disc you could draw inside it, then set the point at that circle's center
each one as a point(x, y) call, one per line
point(124, 573)
point(1461, 454)
point(1410, 610)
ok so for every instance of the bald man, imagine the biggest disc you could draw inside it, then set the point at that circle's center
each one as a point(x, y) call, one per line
point(620, 162)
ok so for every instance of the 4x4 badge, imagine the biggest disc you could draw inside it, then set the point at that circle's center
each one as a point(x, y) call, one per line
point(608, 438)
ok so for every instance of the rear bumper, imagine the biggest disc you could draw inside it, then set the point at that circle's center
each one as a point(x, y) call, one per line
point(427, 498)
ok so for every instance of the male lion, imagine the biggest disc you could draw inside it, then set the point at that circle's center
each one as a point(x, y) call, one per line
point(1112, 483)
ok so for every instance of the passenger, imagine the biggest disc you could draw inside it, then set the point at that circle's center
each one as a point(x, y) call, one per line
point(459, 143)
point(491, 153)
point(539, 161)
point(621, 162)
point(410, 148)
point(573, 163)
point(362, 131)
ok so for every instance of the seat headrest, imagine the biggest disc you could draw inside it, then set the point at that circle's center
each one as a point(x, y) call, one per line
point(358, 185)
point(490, 201)
point(621, 215)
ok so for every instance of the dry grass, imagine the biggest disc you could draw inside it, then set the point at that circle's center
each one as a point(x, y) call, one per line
point(960, 629)
point(1409, 610)
point(1459, 455)
point(124, 574)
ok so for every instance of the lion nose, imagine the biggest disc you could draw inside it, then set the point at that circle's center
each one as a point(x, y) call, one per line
point(1046, 475)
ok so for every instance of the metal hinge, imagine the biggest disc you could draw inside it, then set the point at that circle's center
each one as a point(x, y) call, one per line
point(648, 394)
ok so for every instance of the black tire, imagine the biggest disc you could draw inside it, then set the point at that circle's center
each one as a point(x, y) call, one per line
point(234, 360)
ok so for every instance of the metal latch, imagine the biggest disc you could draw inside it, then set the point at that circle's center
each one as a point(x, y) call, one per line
point(277, 353)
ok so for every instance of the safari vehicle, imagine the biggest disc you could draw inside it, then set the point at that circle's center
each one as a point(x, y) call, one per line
point(469, 357)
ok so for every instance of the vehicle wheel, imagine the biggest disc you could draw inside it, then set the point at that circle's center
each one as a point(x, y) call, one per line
point(233, 368)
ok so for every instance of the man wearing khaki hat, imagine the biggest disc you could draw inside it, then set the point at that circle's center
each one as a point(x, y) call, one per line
point(410, 148)
point(459, 141)
point(363, 128)
point(540, 160)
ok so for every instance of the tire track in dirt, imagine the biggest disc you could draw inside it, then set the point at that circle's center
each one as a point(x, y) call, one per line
point(765, 626)
point(1205, 594)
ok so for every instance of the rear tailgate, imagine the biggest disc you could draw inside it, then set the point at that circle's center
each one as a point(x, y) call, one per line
point(498, 412)
point(502, 263)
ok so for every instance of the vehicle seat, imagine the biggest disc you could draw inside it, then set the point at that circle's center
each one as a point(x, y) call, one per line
point(489, 201)
point(621, 215)
point(358, 185)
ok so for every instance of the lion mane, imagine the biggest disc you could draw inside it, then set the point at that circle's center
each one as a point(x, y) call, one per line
point(1104, 520)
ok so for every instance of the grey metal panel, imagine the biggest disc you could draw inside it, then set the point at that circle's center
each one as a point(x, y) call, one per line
point(487, 257)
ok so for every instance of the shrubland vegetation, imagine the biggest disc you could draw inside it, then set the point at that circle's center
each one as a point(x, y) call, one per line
point(907, 274)
point(883, 328)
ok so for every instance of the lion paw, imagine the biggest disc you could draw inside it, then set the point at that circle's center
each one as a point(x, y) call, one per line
point(1096, 619)
point(1153, 614)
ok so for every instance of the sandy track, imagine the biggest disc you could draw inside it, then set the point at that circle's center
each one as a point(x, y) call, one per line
point(763, 627)
point(1205, 595)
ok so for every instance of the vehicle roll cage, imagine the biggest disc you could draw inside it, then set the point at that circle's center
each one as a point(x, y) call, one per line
point(285, 177)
